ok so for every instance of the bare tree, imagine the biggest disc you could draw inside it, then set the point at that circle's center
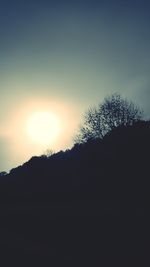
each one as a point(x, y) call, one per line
point(113, 112)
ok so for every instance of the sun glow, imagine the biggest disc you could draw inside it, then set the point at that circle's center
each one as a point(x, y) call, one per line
point(43, 127)
point(37, 125)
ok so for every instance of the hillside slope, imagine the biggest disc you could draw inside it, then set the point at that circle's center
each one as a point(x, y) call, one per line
point(81, 207)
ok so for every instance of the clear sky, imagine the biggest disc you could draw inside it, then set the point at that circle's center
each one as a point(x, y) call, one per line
point(62, 57)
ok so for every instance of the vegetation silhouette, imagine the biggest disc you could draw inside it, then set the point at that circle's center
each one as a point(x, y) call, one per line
point(113, 112)
point(80, 207)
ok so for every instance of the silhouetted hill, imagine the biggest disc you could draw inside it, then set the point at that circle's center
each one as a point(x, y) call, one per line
point(81, 206)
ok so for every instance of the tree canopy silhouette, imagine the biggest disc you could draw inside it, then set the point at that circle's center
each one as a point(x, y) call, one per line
point(113, 112)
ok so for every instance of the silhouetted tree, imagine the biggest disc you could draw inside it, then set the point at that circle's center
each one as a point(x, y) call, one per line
point(113, 112)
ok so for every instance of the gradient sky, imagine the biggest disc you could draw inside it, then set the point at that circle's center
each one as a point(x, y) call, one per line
point(68, 55)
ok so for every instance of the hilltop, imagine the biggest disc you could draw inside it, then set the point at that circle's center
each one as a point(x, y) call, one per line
point(109, 168)
point(55, 203)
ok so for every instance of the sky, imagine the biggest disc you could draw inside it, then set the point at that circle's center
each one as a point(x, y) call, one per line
point(63, 57)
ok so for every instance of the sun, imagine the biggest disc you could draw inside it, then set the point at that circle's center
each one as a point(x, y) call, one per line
point(43, 127)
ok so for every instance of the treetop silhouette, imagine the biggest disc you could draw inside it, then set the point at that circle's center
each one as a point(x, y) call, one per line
point(113, 112)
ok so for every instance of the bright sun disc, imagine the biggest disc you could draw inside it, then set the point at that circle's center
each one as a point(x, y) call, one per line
point(43, 127)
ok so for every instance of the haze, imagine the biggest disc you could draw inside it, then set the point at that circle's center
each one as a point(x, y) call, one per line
point(65, 56)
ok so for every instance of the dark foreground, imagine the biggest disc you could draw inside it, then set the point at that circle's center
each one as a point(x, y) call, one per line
point(46, 235)
point(86, 207)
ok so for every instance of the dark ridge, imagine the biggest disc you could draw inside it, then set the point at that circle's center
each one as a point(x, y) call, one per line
point(80, 207)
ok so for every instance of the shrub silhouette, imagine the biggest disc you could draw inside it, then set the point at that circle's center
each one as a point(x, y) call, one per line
point(113, 112)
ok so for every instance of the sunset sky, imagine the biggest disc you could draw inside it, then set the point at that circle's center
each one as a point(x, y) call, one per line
point(60, 57)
